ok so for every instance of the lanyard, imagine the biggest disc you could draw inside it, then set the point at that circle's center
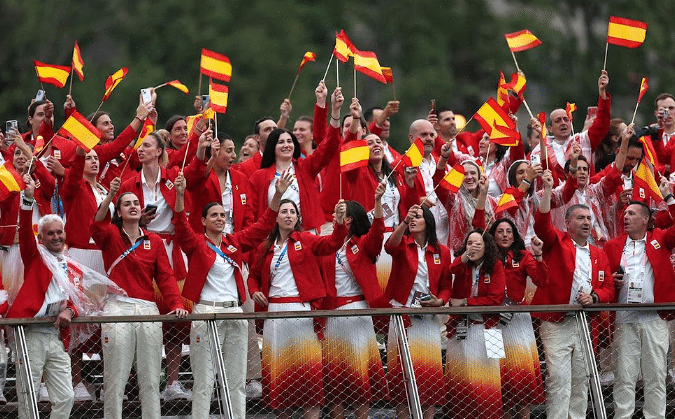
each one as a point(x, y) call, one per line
point(349, 273)
point(281, 257)
point(123, 255)
point(223, 255)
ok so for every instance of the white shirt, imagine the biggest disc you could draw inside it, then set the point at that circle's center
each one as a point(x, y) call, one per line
point(559, 150)
point(345, 283)
point(428, 168)
point(292, 193)
point(421, 283)
point(55, 301)
point(637, 271)
point(220, 282)
point(228, 205)
point(153, 196)
point(390, 201)
point(99, 195)
point(582, 272)
point(282, 281)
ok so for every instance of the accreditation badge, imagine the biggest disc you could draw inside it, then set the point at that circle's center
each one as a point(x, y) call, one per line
point(655, 244)
point(169, 184)
point(355, 249)
point(298, 246)
point(437, 259)
point(243, 199)
point(146, 244)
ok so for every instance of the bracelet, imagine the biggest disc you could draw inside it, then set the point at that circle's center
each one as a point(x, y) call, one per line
point(537, 256)
point(406, 221)
point(139, 119)
point(667, 197)
point(28, 202)
point(337, 119)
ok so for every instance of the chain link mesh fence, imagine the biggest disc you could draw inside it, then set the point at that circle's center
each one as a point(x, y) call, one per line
point(452, 363)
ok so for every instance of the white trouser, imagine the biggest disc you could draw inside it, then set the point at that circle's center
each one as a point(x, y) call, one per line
point(233, 336)
point(567, 376)
point(47, 355)
point(640, 347)
point(121, 341)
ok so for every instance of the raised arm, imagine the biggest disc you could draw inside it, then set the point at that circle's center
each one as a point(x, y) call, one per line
point(103, 208)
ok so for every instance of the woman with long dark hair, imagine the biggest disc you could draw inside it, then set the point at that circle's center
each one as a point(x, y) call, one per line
point(285, 276)
point(520, 372)
point(472, 373)
point(419, 277)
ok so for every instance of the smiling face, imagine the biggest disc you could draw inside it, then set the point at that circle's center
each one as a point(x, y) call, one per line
point(214, 222)
point(423, 130)
point(484, 146)
point(521, 172)
point(376, 147)
point(265, 128)
point(303, 132)
point(284, 148)
point(91, 166)
point(19, 160)
point(504, 235)
point(129, 208)
point(287, 217)
point(179, 134)
point(249, 148)
point(52, 236)
point(105, 125)
point(471, 177)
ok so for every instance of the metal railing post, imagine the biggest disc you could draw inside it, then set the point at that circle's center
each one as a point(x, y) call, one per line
point(221, 374)
point(587, 342)
point(23, 368)
point(408, 370)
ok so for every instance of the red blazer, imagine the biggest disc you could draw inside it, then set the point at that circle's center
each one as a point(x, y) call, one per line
point(206, 189)
point(361, 255)
point(80, 204)
point(404, 270)
point(250, 166)
point(491, 288)
point(37, 277)
point(201, 257)
point(9, 208)
point(166, 186)
point(303, 249)
point(659, 246)
point(559, 251)
point(135, 273)
point(517, 273)
point(306, 171)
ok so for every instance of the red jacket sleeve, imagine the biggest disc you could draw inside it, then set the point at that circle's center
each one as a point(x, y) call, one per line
point(319, 123)
point(537, 271)
point(600, 125)
point(109, 151)
point(323, 153)
point(605, 290)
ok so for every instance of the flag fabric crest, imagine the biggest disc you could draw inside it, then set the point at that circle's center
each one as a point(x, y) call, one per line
point(309, 56)
point(415, 153)
point(366, 62)
point(570, 108)
point(113, 81)
point(388, 74)
point(452, 181)
point(353, 155)
point(505, 136)
point(643, 89)
point(145, 131)
point(218, 97)
point(508, 200)
point(56, 75)
point(491, 114)
point(521, 41)
point(178, 85)
point(344, 48)
point(78, 62)
point(216, 66)
point(626, 32)
point(80, 130)
point(644, 184)
point(10, 181)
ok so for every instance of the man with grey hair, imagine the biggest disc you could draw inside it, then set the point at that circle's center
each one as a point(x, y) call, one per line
point(581, 276)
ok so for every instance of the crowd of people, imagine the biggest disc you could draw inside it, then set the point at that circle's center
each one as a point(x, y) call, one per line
point(177, 224)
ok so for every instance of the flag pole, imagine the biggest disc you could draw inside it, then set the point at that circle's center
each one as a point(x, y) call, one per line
point(355, 81)
point(293, 86)
point(126, 163)
point(528, 108)
point(514, 59)
point(161, 85)
point(635, 112)
point(38, 76)
point(337, 73)
point(199, 89)
point(604, 66)
point(393, 88)
point(97, 109)
point(340, 183)
point(465, 125)
point(327, 67)
point(70, 89)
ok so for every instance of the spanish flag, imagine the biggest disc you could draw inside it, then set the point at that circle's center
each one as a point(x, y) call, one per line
point(145, 131)
point(626, 32)
point(452, 181)
point(505, 136)
point(353, 155)
point(217, 66)
point(542, 120)
point(650, 153)
point(113, 81)
point(81, 131)
point(571, 107)
point(521, 41)
point(644, 184)
point(10, 181)
point(178, 85)
point(491, 114)
point(508, 200)
point(388, 74)
point(309, 56)
point(415, 153)
point(366, 62)
point(78, 63)
point(643, 88)
point(56, 75)
point(343, 47)
point(218, 97)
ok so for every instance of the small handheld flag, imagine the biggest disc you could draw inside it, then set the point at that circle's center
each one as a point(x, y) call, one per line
point(113, 81)
point(353, 155)
point(56, 75)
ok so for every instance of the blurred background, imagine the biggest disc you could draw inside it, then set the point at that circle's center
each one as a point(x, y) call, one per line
point(450, 51)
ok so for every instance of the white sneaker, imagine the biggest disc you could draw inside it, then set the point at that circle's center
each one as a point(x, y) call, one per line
point(82, 394)
point(253, 389)
point(175, 391)
point(43, 395)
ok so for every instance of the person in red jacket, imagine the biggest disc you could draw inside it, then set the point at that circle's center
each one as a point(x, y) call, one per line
point(133, 258)
point(581, 276)
point(520, 371)
point(641, 337)
point(353, 373)
point(285, 276)
point(472, 370)
point(420, 275)
point(216, 285)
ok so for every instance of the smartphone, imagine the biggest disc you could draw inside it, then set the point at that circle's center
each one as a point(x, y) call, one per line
point(433, 106)
point(205, 101)
point(665, 114)
point(150, 209)
point(12, 125)
point(146, 95)
point(40, 96)
point(592, 111)
point(535, 159)
point(620, 270)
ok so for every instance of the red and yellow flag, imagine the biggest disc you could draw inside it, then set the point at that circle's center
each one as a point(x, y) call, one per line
point(343, 47)
point(178, 85)
point(309, 56)
point(542, 120)
point(10, 181)
point(521, 41)
point(113, 81)
point(650, 152)
point(626, 32)
point(644, 184)
point(415, 154)
point(571, 107)
point(218, 97)
point(388, 74)
point(506, 201)
point(78, 62)
point(81, 131)
point(39, 145)
point(491, 114)
point(366, 62)
point(353, 155)
point(214, 65)
point(145, 131)
point(56, 75)
point(643, 88)
point(452, 181)
point(505, 136)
